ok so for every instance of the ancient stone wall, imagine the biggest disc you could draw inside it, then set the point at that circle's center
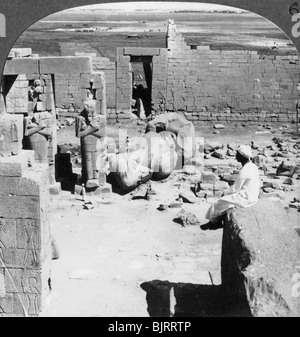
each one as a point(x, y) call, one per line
point(204, 84)
point(215, 85)
point(25, 240)
point(259, 260)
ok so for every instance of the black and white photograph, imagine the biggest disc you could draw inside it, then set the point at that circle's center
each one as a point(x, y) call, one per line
point(149, 161)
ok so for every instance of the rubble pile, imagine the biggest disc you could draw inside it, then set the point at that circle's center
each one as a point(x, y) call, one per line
point(279, 166)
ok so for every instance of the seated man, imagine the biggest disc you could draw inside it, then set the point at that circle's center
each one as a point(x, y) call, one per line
point(243, 193)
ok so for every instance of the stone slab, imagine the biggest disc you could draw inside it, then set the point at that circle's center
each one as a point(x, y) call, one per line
point(259, 259)
point(27, 185)
point(139, 51)
point(19, 207)
point(16, 166)
point(65, 65)
point(19, 66)
point(11, 134)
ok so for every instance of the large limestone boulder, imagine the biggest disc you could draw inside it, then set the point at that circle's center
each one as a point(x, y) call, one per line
point(259, 262)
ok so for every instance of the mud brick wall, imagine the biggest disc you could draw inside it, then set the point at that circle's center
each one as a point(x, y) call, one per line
point(215, 85)
point(25, 243)
point(259, 259)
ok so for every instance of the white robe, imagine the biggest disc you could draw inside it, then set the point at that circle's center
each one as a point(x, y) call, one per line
point(244, 193)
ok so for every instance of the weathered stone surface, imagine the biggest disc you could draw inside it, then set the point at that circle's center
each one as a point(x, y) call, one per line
point(16, 166)
point(219, 126)
point(11, 134)
point(209, 178)
point(19, 207)
point(259, 259)
point(25, 241)
point(188, 196)
point(65, 65)
point(187, 218)
point(28, 185)
point(221, 185)
point(221, 154)
point(18, 66)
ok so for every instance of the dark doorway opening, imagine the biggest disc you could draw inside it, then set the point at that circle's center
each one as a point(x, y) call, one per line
point(142, 69)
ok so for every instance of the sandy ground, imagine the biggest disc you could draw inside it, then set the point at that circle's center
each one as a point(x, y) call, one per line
point(108, 253)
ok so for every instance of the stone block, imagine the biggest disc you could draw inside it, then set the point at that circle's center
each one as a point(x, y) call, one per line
point(259, 259)
point(27, 185)
point(206, 187)
point(65, 65)
point(55, 188)
point(11, 134)
point(140, 51)
point(16, 166)
point(221, 185)
point(19, 207)
point(20, 52)
point(104, 191)
point(209, 177)
point(19, 66)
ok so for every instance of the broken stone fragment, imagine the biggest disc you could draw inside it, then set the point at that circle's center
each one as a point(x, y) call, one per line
point(141, 192)
point(221, 154)
point(190, 170)
point(206, 187)
point(254, 146)
point(288, 181)
point(268, 189)
point(175, 204)
point(220, 185)
point(210, 146)
point(232, 146)
point(188, 196)
point(218, 193)
point(219, 126)
point(201, 194)
point(209, 177)
point(187, 218)
point(89, 205)
point(294, 205)
point(162, 207)
point(231, 153)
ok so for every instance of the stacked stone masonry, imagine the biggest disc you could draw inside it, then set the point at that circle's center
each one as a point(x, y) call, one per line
point(205, 84)
point(215, 85)
point(25, 241)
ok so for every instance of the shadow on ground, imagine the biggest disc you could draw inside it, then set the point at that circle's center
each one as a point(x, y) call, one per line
point(166, 299)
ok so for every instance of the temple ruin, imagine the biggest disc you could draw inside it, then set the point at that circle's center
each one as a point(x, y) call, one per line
point(203, 84)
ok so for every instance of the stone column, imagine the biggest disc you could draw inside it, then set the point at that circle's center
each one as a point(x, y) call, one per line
point(25, 244)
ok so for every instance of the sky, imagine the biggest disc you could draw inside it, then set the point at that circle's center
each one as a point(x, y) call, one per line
point(162, 6)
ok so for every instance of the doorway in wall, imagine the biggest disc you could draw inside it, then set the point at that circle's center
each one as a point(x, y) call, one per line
point(142, 69)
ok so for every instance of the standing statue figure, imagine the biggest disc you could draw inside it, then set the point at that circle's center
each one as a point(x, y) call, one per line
point(38, 128)
point(91, 129)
